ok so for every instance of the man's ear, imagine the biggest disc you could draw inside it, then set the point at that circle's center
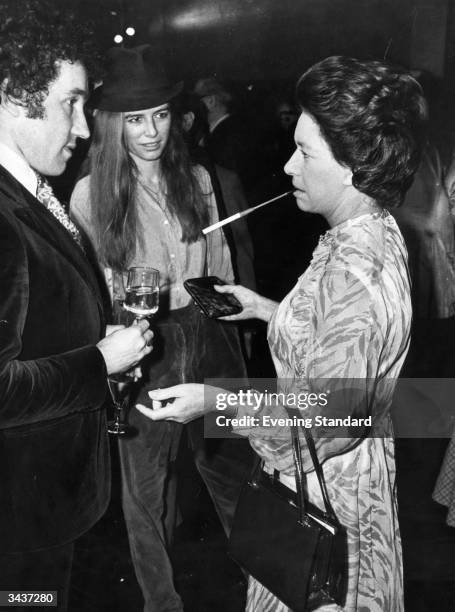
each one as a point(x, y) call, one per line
point(10, 105)
point(210, 101)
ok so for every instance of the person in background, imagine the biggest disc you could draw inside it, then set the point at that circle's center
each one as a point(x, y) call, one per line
point(55, 354)
point(278, 142)
point(229, 194)
point(444, 490)
point(145, 204)
point(449, 182)
point(227, 141)
point(428, 231)
point(428, 228)
point(230, 199)
point(283, 237)
point(346, 322)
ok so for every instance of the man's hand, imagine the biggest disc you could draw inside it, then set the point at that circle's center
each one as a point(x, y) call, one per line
point(189, 402)
point(110, 329)
point(126, 346)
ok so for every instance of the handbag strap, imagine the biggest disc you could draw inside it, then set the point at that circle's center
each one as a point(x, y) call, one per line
point(299, 473)
point(302, 501)
point(320, 474)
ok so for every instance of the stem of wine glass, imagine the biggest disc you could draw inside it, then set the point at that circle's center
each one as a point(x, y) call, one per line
point(118, 412)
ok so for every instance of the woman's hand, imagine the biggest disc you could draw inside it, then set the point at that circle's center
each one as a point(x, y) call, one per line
point(254, 305)
point(186, 402)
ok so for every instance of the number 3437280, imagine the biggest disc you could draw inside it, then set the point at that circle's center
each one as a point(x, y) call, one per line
point(32, 598)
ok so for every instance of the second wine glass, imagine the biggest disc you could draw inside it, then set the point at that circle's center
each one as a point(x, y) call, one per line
point(142, 292)
point(120, 383)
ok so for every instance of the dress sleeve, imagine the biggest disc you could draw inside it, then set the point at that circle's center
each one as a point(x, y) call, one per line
point(219, 262)
point(335, 361)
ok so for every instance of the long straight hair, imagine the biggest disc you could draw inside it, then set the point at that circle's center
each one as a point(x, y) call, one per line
point(113, 190)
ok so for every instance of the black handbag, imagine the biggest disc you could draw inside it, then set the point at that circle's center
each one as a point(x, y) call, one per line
point(296, 550)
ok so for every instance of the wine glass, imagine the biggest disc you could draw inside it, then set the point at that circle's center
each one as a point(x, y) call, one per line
point(141, 299)
point(142, 292)
point(119, 389)
point(119, 383)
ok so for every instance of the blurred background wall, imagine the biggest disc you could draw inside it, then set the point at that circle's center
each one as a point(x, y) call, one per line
point(277, 39)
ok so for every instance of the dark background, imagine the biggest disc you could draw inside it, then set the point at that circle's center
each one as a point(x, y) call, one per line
point(262, 46)
point(278, 39)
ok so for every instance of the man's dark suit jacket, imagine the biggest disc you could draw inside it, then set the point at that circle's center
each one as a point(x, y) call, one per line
point(228, 146)
point(54, 461)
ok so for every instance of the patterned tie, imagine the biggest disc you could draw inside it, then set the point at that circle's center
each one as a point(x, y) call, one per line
point(45, 195)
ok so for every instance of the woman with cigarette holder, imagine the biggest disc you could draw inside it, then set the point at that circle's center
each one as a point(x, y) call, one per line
point(345, 325)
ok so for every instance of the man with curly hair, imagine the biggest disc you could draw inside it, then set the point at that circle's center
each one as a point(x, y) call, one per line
point(54, 354)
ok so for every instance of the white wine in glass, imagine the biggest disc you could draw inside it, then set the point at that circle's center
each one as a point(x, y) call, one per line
point(142, 292)
point(141, 300)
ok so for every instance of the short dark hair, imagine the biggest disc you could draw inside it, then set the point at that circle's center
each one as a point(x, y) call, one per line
point(373, 117)
point(34, 38)
point(213, 87)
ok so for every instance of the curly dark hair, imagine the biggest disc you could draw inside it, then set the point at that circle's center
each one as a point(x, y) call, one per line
point(34, 37)
point(373, 117)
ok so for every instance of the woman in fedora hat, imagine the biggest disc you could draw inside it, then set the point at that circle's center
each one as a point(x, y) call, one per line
point(144, 204)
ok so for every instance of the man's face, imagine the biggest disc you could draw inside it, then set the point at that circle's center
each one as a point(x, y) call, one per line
point(286, 116)
point(48, 143)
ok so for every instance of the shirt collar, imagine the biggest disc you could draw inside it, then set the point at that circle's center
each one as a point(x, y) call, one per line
point(19, 168)
point(218, 121)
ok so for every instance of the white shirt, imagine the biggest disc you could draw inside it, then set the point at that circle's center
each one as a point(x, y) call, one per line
point(216, 123)
point(19, 168)
point(162, 247)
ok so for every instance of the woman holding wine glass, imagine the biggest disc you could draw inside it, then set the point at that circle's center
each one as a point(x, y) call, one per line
point(145, 204)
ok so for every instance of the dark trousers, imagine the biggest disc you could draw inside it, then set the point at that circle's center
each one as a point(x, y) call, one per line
point(188, 348)
point(42, 570)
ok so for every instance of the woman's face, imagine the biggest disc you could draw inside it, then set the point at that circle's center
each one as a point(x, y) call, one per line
point(147, 132)
point(320, 181)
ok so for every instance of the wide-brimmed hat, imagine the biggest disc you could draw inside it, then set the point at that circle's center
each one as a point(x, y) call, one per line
point(136, 79)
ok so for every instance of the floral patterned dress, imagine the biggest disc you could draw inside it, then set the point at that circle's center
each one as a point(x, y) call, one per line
point(348, 317)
